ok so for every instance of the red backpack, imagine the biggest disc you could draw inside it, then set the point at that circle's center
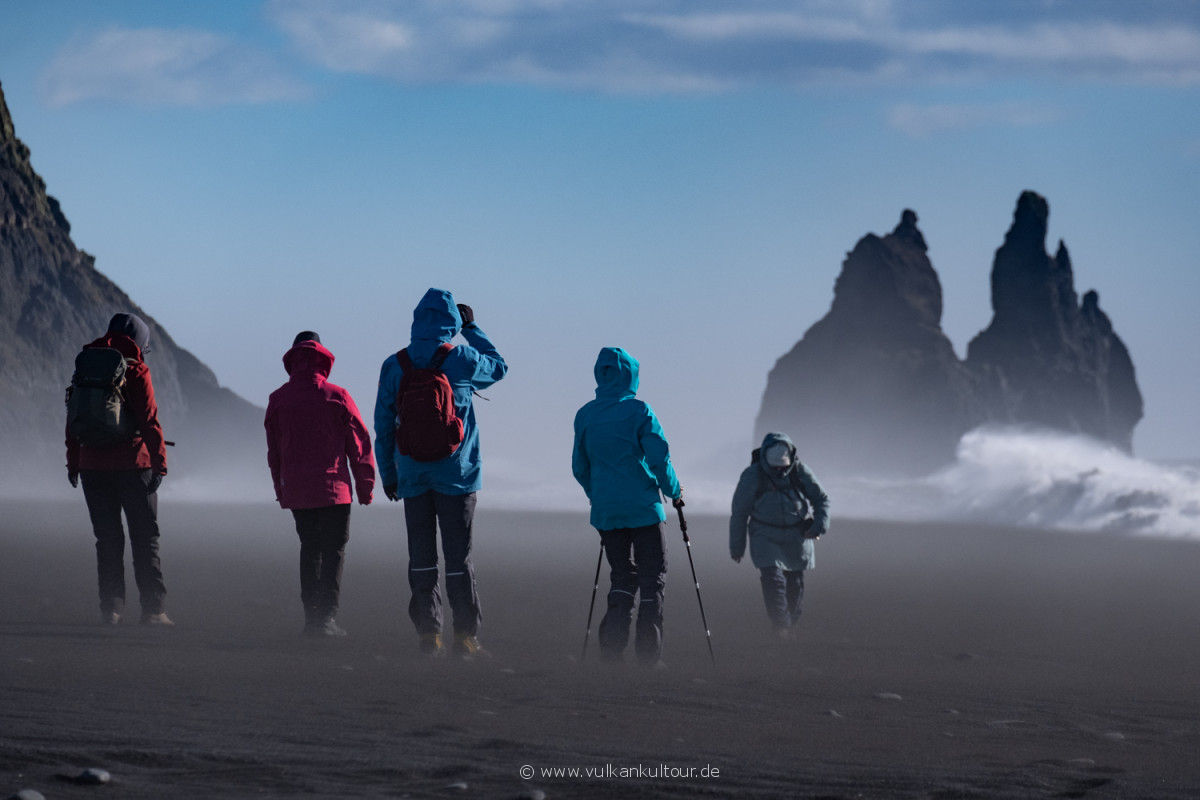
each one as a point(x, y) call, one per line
point(427, 426)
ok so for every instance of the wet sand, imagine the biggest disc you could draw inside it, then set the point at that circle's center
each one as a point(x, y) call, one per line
point(932, 662)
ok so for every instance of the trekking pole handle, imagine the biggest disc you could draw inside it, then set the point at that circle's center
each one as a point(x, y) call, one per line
point(682, 522)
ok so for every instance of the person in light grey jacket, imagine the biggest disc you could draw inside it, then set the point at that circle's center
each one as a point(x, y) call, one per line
point(771, 509)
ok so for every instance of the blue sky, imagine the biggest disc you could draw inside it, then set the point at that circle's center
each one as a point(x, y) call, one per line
point(678, 177)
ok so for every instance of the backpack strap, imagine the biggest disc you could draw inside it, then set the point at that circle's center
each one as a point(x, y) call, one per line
point(439, 357)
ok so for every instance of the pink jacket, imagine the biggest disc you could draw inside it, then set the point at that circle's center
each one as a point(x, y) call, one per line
point(315, 435)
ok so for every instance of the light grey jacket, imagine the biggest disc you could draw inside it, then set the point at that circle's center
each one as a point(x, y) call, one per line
point(771, 509)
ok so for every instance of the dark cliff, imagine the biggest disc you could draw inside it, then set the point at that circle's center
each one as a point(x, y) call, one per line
point(1046, 359)
point(875, 388)
point(52, 301)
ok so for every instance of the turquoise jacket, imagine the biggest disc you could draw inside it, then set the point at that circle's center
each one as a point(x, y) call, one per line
point(771, 507)
point(475, 365)
point(621, 458)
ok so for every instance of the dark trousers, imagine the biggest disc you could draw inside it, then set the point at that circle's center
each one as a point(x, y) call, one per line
point(782, 592)
point(323, 535)
point(423, 515)
point(108, 493)
point(638, 559)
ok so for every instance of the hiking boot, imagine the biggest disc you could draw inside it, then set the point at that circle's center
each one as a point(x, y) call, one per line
point(468, 648)
point(110, 619)
point(431, 645)
point(330, 628)
point(160, 618)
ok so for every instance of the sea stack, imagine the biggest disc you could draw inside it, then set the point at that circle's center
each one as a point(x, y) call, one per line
point(1047, 359)
point(875, 387)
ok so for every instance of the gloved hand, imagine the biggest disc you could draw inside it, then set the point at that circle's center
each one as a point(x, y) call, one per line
point(678, 501)
point(73, 478)
point(364, 500)
point(468, 316)
point(390, 491)
point(155, 482)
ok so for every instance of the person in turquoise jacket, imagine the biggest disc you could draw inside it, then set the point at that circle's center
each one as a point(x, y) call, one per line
point(771, 508)
point(622, 461)
point(439, 493)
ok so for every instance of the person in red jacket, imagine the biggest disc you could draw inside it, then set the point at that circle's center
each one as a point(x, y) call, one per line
point(125, 477)
point(315, 440)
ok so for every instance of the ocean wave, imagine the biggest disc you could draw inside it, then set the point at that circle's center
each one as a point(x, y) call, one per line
point(1042, 479)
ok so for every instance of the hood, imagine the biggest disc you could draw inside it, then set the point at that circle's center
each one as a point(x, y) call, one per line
point(616, 374)
point(131, 325)
point(308, 358)
point(771, 439)
point(436, 317)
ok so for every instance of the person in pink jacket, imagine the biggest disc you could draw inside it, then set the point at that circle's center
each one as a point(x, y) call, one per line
point(315, 440)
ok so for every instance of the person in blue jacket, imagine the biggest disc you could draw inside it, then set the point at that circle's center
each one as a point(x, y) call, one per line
point(622, 461)
point(439, 493)
point(771, 507)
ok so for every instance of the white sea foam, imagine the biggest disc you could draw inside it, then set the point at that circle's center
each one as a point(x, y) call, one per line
point(1041, 479)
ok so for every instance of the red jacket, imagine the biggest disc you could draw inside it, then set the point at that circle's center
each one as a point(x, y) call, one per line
point(146, 450)
point(315, 435)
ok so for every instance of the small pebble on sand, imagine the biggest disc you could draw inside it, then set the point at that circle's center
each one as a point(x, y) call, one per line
point(28, 794)
point(458, 786)
point(892, 696)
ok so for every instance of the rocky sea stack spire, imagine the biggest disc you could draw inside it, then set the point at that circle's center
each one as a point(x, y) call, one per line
point(53, 301)
point(875, 387)
point(1046, 359)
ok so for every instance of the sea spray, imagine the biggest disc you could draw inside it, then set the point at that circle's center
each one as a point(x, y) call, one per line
point(1039, 478)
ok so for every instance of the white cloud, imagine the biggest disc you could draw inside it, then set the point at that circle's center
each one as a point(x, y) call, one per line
point(154, 66)
point(681, 45)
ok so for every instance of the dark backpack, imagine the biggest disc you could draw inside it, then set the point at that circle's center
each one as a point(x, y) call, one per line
point(96, 412)
point(427, 426)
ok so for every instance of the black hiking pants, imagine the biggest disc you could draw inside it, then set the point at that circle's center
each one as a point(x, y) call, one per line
point(108, 493)
point(323, 533)
point(638, 560)
point(454, 514)
point(783, 590)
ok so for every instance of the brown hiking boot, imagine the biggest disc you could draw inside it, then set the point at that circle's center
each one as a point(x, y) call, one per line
point(160, 618)
point(431, 645)
point(468, 648)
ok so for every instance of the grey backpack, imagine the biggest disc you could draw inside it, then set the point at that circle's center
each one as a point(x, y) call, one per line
point(96, 412)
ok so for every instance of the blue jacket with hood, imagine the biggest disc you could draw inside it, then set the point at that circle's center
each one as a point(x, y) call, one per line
point(770, 506)
point(475, 365)
point(621, 458)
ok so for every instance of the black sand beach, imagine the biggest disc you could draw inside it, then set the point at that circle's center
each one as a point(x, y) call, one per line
point(933, 662)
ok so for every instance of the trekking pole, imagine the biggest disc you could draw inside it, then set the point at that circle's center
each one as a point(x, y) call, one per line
point(592, 607)
point(703, 619)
